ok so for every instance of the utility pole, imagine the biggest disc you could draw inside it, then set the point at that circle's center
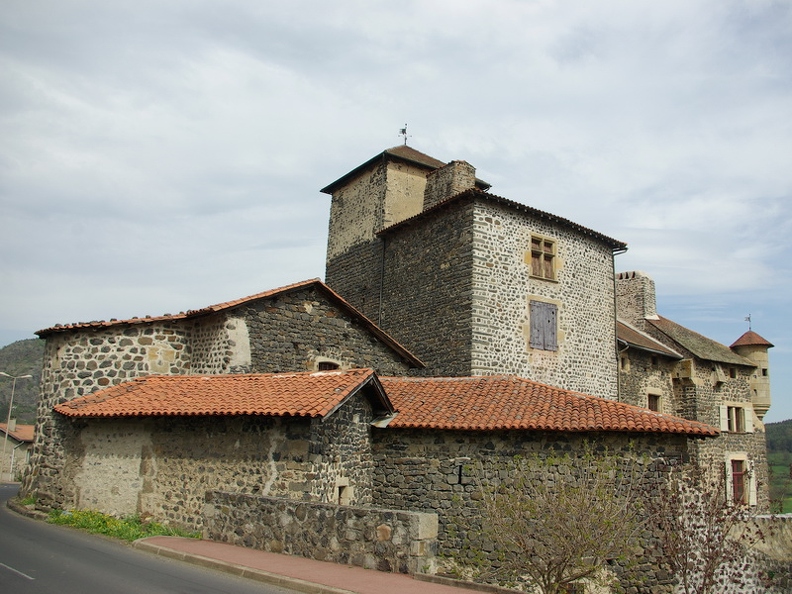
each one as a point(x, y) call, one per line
point(8, 421)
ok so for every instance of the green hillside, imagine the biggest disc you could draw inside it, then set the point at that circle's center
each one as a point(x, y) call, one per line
point(21, 358)
point(779, 458)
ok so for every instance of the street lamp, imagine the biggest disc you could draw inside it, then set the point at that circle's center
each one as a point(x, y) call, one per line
point(8, 421)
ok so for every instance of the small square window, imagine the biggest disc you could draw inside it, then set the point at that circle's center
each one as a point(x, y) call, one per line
point(543, 253)
point(653, 402)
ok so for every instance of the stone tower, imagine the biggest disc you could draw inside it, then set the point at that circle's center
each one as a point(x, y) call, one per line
point(755, 348)
point(472, 283)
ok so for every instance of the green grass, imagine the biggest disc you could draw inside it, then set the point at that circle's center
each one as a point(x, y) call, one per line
point(128, 529)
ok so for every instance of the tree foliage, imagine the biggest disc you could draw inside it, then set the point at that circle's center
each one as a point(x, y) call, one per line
point(559, 520)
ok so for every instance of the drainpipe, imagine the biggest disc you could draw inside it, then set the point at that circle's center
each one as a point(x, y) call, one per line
point(616, 252)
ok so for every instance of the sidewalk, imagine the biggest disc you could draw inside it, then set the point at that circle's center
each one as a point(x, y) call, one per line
point(298, 573)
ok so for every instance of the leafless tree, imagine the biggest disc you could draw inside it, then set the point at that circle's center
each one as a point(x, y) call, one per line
point(705, 537)
point(559, 520)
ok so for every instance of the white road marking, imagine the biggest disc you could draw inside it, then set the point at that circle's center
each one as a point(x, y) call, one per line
point(24, 575)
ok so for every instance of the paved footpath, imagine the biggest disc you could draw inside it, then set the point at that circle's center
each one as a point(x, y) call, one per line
point(298, 573)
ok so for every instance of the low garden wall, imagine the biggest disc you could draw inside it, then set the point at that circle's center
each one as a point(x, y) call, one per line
point(388, 540)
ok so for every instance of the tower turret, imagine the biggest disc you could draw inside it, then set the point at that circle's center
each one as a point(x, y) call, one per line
point(755, 348)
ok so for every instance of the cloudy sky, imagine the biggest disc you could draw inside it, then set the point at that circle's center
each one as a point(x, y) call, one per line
point(163, 156)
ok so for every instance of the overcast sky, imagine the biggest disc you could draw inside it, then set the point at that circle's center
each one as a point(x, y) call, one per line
point(163, 156)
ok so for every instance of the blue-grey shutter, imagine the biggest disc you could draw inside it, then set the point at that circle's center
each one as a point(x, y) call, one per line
point(543, 326)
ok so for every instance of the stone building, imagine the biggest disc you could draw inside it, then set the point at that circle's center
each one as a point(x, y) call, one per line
point(17, 440)
point(456, 326)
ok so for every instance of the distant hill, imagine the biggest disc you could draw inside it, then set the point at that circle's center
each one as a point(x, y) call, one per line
point(779, 458)
point(21, 358)
point(779, 439)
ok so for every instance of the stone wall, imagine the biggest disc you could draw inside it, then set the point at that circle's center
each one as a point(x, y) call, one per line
point(645, 373)
point(443, 472)
point(388, 540)
point(162, 467)
point(294, 330)
point(503, 287)
point(426, 291)
point(79, 362)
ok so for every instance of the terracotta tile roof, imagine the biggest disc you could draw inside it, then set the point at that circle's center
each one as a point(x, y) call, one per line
point(475, 193)
point(21, 433)
point(751, 338)
point(309, 394)
point(400, 153)
point(508, 402)
point(466, 403)
point(701, 346)
point(227, 305)
point(635, 338)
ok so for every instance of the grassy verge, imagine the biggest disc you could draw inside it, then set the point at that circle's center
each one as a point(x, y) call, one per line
point(128, 529)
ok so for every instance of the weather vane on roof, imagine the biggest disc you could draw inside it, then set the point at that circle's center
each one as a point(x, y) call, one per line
point(403, 132)
point(748, 319)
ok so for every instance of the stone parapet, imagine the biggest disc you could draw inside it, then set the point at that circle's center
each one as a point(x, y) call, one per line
point(387, 540)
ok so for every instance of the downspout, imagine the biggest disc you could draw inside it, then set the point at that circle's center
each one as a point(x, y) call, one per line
point(384, 166)
point(616, 252)
point(381, 281)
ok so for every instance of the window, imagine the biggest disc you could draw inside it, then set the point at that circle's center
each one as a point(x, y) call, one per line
point(736, 418)
point(543, 326)
point(738, 481)
point(543, 257)
point(326, 366)
point(624, 363)
point(653, 402)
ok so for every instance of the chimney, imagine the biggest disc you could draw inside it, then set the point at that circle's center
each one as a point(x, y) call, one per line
point(635, 298)
point(11, 425)
point(447, 181)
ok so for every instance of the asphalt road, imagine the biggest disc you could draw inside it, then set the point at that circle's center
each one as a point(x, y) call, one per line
point(39, 558)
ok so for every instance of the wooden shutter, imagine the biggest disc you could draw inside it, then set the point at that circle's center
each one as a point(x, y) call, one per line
point(544, 326)
point(724, 418)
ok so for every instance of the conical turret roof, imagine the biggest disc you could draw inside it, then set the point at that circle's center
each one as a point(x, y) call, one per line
point(751, 338)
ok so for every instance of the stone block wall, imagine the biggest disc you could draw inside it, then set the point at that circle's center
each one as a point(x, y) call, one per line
point(388, 540)
point(292, 331)
point(427, 291)
point(503, 287)
point(443, 472)
point(163, 467)
point(79, 362)
point(644, 373)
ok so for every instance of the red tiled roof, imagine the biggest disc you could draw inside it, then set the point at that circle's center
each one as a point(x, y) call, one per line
point(508, 402)
point(637, 339)
point(308, 394)
point(751, 338)
point(466, 403)
point(21, 433)
point(475, 193)
point(194, 313)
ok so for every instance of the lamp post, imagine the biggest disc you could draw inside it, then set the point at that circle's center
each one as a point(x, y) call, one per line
point(10, 407)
